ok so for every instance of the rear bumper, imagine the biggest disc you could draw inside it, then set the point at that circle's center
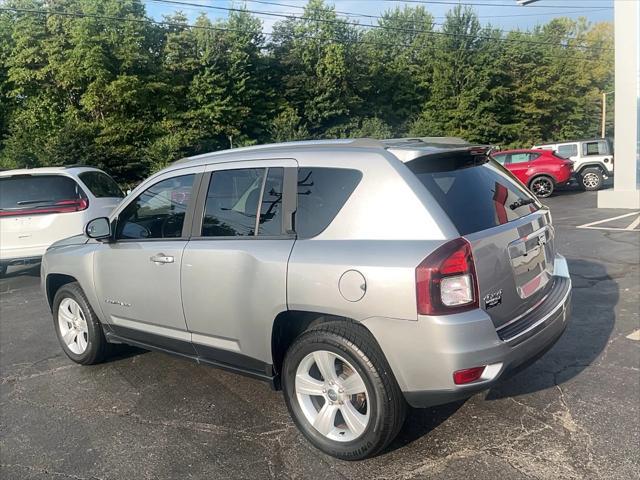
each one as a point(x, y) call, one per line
point(424, 354)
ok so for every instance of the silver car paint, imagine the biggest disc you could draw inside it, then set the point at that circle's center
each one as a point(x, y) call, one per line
point(233, 289)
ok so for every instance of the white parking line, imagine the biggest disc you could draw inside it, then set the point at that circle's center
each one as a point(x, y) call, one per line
point(631, 227)
point(634, 224)
point(634, 335)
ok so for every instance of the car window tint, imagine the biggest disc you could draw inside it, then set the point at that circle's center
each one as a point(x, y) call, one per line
point(101, 184)
point(158, 212)
point(321, 194)
point(519, 157)
point(232, 203)
point(569, 150)
point(37, 191)
point(533, 156)
point(474, 196)
point(271, 205)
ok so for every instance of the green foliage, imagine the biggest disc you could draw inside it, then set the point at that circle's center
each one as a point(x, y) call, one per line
point(133, 96)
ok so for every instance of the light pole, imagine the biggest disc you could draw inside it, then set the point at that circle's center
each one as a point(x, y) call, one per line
point(603, 129)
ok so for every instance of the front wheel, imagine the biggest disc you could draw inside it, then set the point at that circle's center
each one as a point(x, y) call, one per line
point(542, 187)
point(341, 392)
point(591, 179)
point(77, 326)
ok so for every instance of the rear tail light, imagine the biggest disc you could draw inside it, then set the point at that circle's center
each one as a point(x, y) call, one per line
point(63, 206)
point(467, 375)
point(446, 280)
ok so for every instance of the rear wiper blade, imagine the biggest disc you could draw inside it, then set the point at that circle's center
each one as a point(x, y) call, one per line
point(521, 202)
point(30, 202)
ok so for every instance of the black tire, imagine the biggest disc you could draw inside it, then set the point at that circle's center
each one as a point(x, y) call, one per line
point(542, 186)
point(3, 270)
point(591, 179)
point(387, 406)
point(97, 346)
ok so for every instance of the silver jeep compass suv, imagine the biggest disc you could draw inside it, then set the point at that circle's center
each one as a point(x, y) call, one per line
point(359, 276)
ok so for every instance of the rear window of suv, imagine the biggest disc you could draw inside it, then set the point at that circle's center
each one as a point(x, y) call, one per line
point(321, 194)
point(476, 193)
point(101, 184)
point(28, 192)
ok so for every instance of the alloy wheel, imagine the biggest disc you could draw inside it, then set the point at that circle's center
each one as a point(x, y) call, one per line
point(73, 326)
point(590, 180)
point(542, 187)
point(332, 395)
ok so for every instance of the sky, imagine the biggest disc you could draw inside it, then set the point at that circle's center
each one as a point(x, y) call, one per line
point(504, 14)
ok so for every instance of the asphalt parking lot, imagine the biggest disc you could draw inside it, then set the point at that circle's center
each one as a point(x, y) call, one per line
point(146, 415)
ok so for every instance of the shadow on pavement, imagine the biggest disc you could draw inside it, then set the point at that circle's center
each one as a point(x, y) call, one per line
point(421, 421)
point(595, 295)
point(22, 271)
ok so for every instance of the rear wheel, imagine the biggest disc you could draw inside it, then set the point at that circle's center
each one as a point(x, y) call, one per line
point(542, 186)
point(77, 326)
point(340, 391)
point(3, 270)
point(591, 179)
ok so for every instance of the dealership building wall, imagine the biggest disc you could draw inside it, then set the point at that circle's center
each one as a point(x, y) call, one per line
point(626, 179)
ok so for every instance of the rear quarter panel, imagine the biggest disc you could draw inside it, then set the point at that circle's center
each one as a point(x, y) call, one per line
point(388, 268)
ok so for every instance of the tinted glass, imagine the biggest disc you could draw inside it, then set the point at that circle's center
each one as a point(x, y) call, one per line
point(232, 203)
point(158, 212)
point(101, 184)
point(271, 206)
point(476, 196)
point(566, 151)
point(37, 191)
point(321, 194)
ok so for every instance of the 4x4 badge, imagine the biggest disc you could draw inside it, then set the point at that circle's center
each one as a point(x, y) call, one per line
point(492, 299)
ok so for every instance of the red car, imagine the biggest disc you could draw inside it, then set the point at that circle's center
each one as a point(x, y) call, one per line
point(540, 170)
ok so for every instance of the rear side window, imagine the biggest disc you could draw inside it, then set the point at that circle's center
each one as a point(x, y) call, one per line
point(271, 205)
point(594, 148)
point(519, 158)
point(32, 192)
point(474, 192)
point(569, 150)
point(101, 184)
point(232, 203)
point(321, 194)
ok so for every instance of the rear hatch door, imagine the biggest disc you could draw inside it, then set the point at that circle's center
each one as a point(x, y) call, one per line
point(510, 232)
point(30, 206)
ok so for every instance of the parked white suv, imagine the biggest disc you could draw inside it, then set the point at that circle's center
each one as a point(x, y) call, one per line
point(39, 206)
point(593, 160)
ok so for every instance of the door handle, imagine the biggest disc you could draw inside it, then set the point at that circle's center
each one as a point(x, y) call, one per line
point(161, 258)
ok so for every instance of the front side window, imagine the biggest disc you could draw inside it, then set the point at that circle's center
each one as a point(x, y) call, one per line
point(567, 151)
point(321, 194)
point(501, 158)
point(158, 212)
point(232, 203)
point(101, 184)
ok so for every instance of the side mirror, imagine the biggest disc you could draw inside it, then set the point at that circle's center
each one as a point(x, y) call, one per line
point(98, 228)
